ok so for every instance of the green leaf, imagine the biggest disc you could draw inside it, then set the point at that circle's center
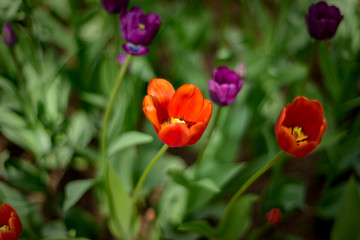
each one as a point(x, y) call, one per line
point(346, 225)
point(80, 130)
point(25, 175)
point(239, 219)
point(200, 226)
point(120, 204)
point(75, 190)
point(128, 139)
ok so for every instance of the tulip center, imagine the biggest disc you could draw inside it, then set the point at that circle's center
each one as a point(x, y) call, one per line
point(141, 26)
point(172, 120)
point(5, 227)
point(175, 120)
point(299, 134)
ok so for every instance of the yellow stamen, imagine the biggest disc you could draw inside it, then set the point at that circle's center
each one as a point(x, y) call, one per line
point(141, 26)
point(175, 120)
point(299, 134)
point(5, 227)
point(172, 120)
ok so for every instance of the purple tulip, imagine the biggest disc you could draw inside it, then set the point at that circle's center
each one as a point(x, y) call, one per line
point(323, 20)
point(224, 86)
point(114, 6)
point(138, 30)
point(8, 35)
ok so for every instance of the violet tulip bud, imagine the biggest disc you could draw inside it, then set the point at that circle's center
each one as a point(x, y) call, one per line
point(323, 20)
point(8, 35)
point(114, 6)
point(273, 217)
point(138, 30)
point(224, 86)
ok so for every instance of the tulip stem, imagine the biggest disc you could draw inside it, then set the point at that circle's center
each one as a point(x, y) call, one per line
point(230, 206)
point(116, 32)
point(311, 65)
point(104, 132)
point(147, 171)
point(200, 156)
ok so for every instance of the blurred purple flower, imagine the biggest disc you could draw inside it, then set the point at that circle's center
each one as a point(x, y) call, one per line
point(323, 20)
point(8, 35)
point(121, 58)
point(224, 86)
point(138, 30)
point(114, 6)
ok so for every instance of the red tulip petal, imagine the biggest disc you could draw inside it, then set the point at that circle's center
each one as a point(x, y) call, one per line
point(155, 112)
point(15, 223)
point(175, 134)
point(286, 141)
point(5, 213)
point(162, 90)
point(205, 114)
point(308, 114)
point(8, 235)
point(196, 132)
point(303, 149)
point(150, 111)
point(186, 103)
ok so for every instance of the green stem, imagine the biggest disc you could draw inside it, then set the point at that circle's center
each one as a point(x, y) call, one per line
point(230, 206)
point(311, 65)
point(107, 115)
point(147, 171)
point(200, 156)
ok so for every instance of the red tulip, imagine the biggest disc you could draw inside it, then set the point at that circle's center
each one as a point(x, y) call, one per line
point(300, 126)
point(273, 216)
point(180, 117)
point(10, 224)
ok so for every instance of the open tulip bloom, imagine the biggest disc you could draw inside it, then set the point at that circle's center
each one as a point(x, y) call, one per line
point(300, 126)
point(10, 224)
point(180, 117)
point(323, 20)
point(138, 30)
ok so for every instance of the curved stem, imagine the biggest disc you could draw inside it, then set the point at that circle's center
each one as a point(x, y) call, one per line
point(147, 171)
point(200, 156)
point(107, 115)
point(252, 179)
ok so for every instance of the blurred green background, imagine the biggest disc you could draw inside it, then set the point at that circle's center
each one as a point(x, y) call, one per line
point(51, 111)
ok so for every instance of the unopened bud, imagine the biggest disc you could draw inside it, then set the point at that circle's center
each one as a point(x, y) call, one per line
point(273, 217)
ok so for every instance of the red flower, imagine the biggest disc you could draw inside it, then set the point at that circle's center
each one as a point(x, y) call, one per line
point(273, 216)
point(10, 224)
point(180, 117)
point(300, 126)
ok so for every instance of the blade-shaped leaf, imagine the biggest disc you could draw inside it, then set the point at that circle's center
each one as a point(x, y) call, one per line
point(75, 190)
point(346, 225)
point(128, 139)
point(239, 219)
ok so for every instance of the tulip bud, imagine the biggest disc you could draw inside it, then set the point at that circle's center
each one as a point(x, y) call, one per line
point(323, 20)
point(273, 217)
point(8, 35)
point(224, 86)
